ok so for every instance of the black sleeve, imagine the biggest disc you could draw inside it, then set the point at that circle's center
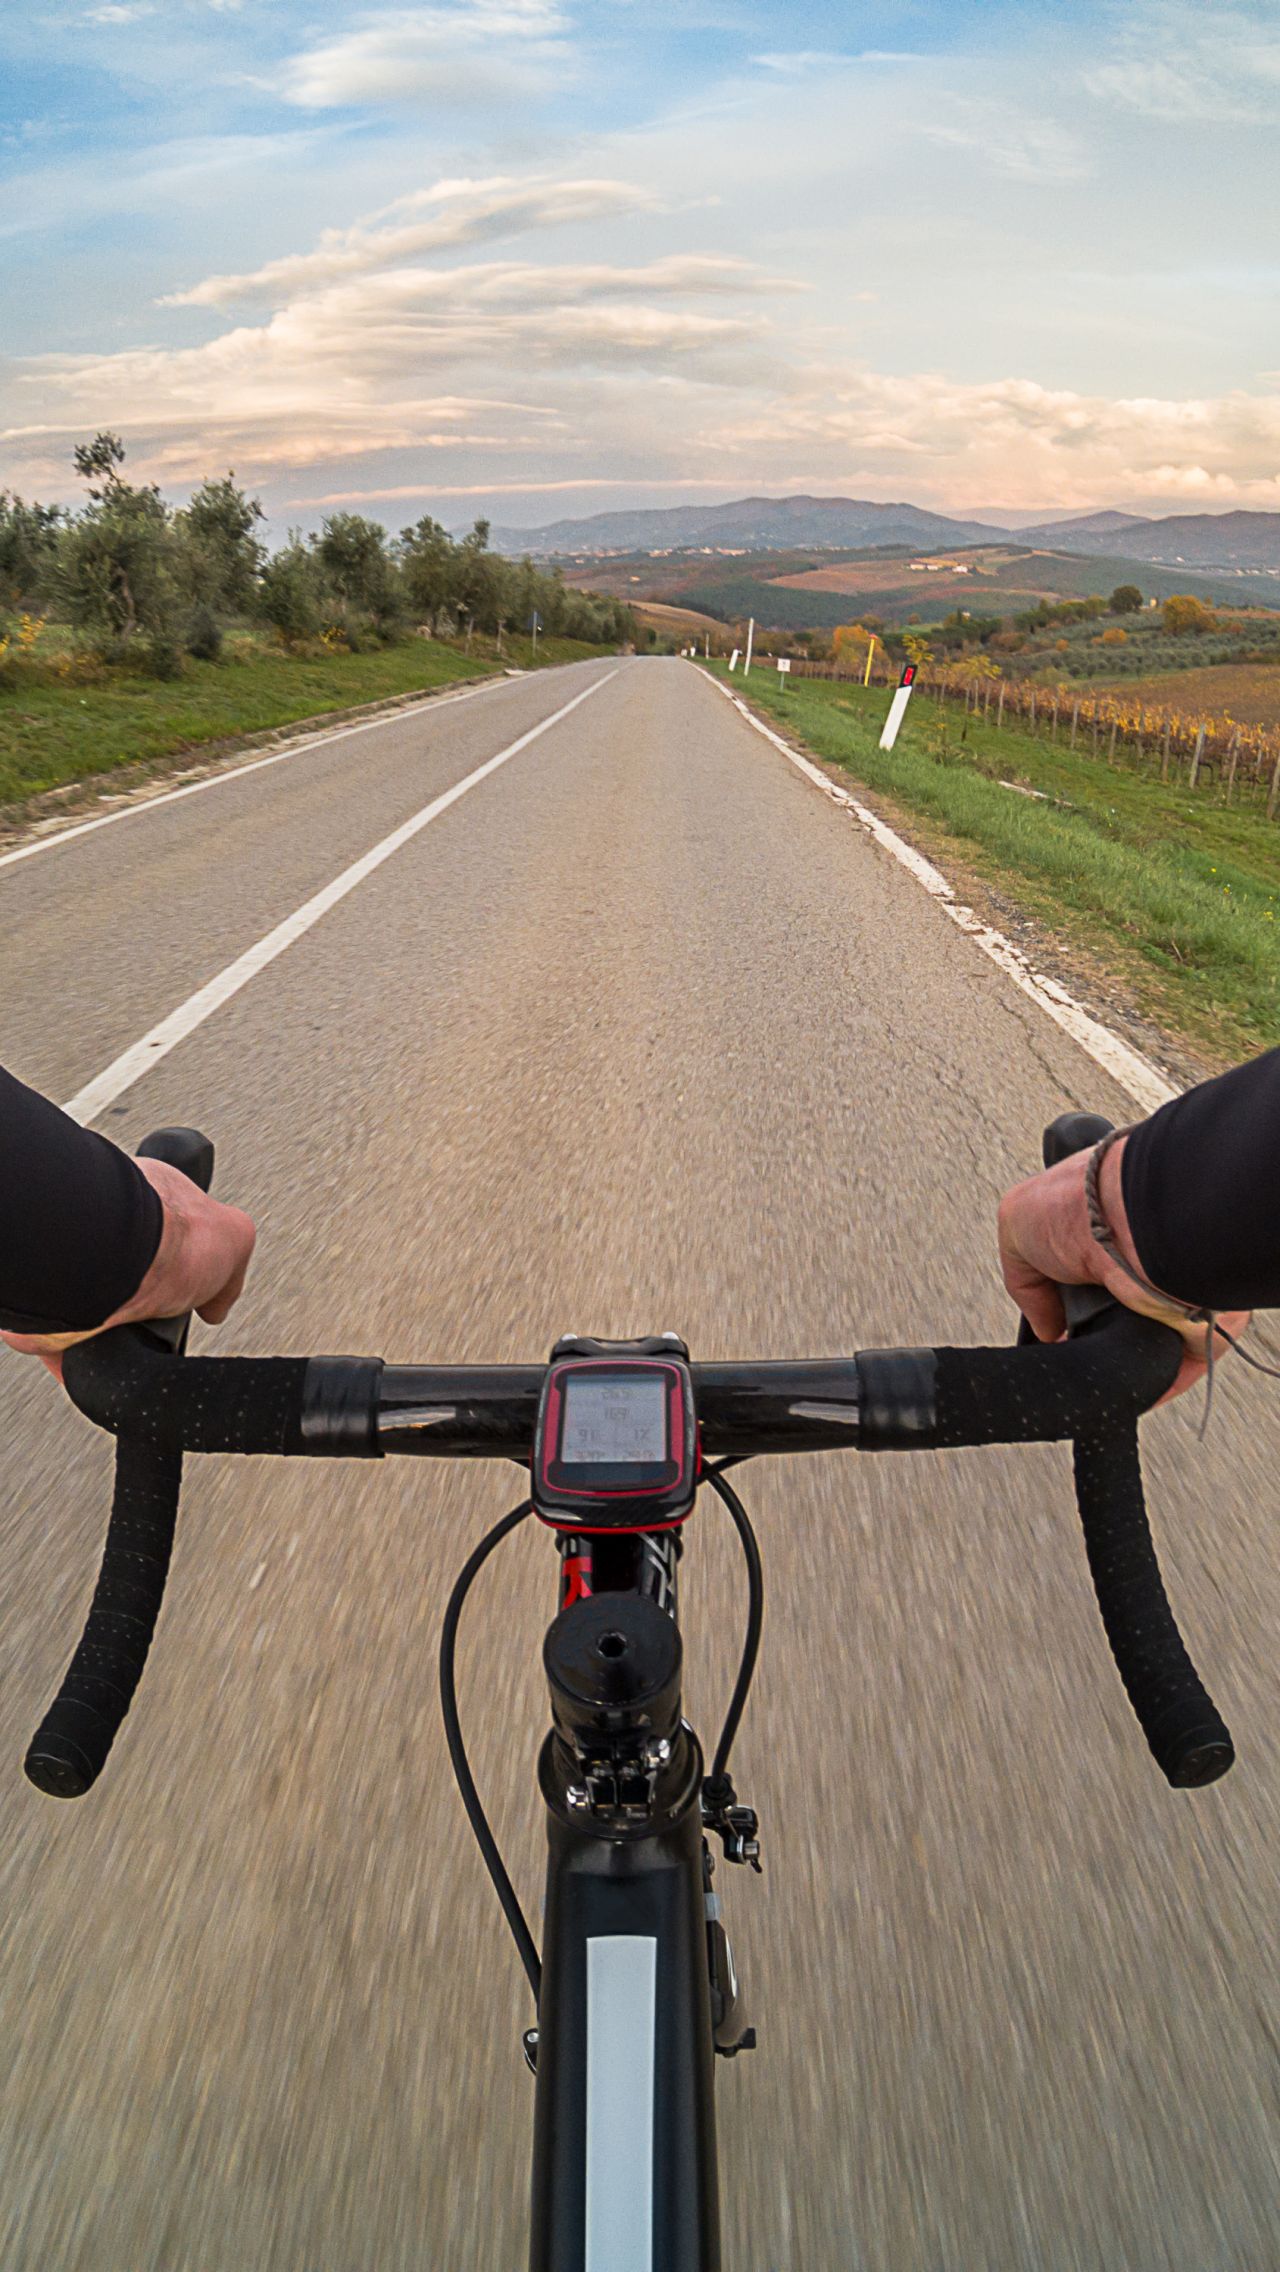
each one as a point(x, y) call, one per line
point(1201, 1183)
point(79, 1224)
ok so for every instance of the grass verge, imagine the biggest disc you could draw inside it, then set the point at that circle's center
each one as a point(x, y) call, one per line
point(54, 731)
point(1177, 896)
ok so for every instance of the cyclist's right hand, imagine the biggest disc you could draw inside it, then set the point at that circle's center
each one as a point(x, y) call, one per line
point(1047, 1242)
point(200, 1265)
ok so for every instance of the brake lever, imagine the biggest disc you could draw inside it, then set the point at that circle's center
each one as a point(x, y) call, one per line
point(192, 1154)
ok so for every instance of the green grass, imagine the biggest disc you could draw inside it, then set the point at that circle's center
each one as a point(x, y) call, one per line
point(54, 731)
point(1175, 892)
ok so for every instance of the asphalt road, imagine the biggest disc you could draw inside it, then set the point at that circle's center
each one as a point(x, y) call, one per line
point(642, 1032)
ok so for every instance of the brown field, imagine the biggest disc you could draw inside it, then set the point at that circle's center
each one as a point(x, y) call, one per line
point(675, 620)
point(989, 568)
point(1247, 692)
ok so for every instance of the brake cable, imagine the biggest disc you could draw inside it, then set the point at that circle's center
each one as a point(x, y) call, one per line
point(718, 1786)
point(476, 1815)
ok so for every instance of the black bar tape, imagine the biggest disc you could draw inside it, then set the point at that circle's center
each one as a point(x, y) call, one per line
point(69, 1750)
point(1054, 1390)
point(1188, 1738)
point(125, 1383)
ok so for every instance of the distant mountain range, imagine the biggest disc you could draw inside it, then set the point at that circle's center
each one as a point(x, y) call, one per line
point(853, 524)
point(756, 524)
point(1192, 540)
point(1083, 527)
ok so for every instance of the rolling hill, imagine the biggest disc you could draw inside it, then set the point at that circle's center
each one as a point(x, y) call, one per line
point(813, 590)
point(1239, 542)
point(1247, 541)
point(752, 524)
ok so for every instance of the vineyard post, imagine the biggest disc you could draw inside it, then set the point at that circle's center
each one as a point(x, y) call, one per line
point(1275, 787)
point(1195, 762)
point(1094, 722)
point(1000, 706)
point(1164, 754)
point(1231, 770)
point(1033, 709)
point(1111, 746)
point(1055, 717)
point(1075, 721)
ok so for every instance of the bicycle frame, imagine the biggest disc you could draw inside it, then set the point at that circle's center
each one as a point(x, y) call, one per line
point(624, 2166)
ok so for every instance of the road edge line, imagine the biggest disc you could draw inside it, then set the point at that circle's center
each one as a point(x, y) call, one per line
point(295, 748)
point(1126, 1065)
point(129, 1067)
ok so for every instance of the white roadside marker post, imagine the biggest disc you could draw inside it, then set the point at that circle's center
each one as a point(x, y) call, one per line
point(733, 659)
point(897, 708)
point(751, 634)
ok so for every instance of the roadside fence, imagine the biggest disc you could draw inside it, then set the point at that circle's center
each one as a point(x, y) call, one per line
point(1159, 739)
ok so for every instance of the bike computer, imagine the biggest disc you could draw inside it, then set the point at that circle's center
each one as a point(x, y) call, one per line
point(616, 1443)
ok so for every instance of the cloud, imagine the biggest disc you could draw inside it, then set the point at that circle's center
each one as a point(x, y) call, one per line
point(346, 369)
point(474, 52)
point(485, 489)
point(119, 12)
point(794, 63)
point(452, 213)
point(1020, 440)
point(1012, 142)
point(1194, 65)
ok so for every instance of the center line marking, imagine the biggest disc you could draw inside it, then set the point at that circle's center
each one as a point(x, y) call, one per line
point(94, 1098)
point(296, 748)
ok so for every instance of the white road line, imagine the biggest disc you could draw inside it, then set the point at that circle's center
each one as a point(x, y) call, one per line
point(94, 1098)
point(237, 772)
point(1134, 1072)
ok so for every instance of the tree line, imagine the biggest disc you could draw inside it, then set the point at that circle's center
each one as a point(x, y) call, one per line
point(146, 582)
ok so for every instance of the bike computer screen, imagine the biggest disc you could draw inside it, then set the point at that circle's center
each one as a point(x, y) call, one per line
point(615, 1444)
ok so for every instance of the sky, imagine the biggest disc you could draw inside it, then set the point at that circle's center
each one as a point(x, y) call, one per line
point(540, 258)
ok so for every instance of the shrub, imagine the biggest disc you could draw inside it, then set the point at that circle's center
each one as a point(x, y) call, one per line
point(1115, 637)
point(162, 654)
point(290, 597)
point(204, 635)
point(1183, 612)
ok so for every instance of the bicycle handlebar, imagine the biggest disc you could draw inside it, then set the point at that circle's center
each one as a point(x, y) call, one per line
point(69, 1748)
point(880, 1400)
point(1091, 1389)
